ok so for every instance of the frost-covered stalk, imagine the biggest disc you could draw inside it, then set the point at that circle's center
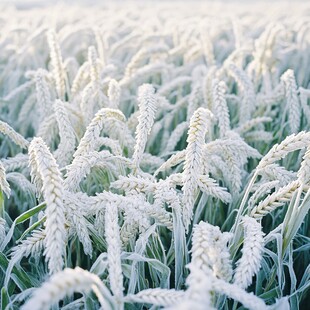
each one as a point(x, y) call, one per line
point(210, 250)
point(114, 251)
point(66, 283)
point(57, 64)
point(294, 108)
point(220, 106)
point(193, 160)
point(250, 261)
point(147, 107)
point(44, 165)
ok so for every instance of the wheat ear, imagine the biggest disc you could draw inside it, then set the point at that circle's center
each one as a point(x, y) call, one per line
point(289, 144)
point(147, 108)
point(250, 261)
point(220, 106)
point(66, 146)
point(66, 283)
point(294, 108)
point(275, 200)
point(193, 160)
point(17, 138)
point(210, 250)
point(114, 94)
point(43, 163)
point(43, 94)
point(157, 297)
point(57, 64)
point(4, 185)
point(114, 251)
point(93, 130)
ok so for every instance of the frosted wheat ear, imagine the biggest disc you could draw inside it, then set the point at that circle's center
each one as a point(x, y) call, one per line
point(198, 128)
point(44, 168)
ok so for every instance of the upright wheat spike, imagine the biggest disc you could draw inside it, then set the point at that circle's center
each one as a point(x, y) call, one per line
point(114, 251)
point(147, 108)
point(43, 163)
point(43, 95)
point(220, 106)
point(93, 65)
point(250, 261)
point(67, 135)
point(294, 108)
point(57, 64)
point(114, 94)
point(193, 160)
point(210, 250)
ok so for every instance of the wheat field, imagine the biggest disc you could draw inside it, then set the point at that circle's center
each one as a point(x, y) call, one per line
point(155, 156)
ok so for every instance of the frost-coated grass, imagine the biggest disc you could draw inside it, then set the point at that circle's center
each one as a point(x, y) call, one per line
point(155, 157)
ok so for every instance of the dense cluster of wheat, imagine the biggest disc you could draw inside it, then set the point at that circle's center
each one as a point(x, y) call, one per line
point(154, 157)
